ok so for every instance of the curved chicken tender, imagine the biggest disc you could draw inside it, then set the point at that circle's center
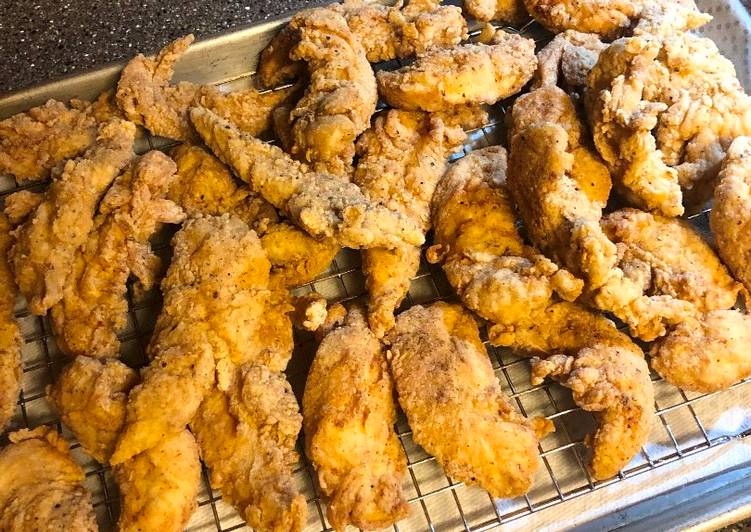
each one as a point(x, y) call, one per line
point(568, 58)
point(663, 111)
point(485, 260)
point(215, 295)
point(159, 487)
point(247, 435)
point(706, 353)
point(11, 340)
point(402, 158)
point(510, 11)
point(94, 305)
point(349, 415)
point(465, 74)
point(43, 253)
point(324, 206)
point(41, 487)
point(730, 218)
point(454, 403)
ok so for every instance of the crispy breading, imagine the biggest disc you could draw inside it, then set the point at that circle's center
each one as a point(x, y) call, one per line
point(607, 374)
point(45, 244)
point(215, 295)
point(607, 18)
point(11, 340)
point(90, 397)
point(348, 415)
point(668, 273)
point(663, 111)
point(454, 403)
point(401, 159)
point(41, 487)
point(247, 433)
point(509, 11)
point(568, 59)
point(465, 74)
point(94, 305)
point(158, 488)
point(730, 218)
point(19, 205)
point(484, 257)
point(322, 205)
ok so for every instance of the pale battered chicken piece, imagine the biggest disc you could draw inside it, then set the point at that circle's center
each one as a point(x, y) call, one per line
point(204, 185)
point(385, 32)
point(94, 305)
point(247, 433)
point(568, 59)
point(730, 218)
point(465, 74)
point(509, 11)
point(322, 205)
point(348, 415)
point(663, 111)
point(45, 244)
point(606, 18)
point(215, 294)
point(11, 340)
point(340, 97)
point(41, 487)
point(454, 403)
point(402, 158)
point(90, 397)
point(158, 488)
point(484, 258)
point(146, 97)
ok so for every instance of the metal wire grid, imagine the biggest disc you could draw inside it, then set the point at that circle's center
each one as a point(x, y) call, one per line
point(437, 501)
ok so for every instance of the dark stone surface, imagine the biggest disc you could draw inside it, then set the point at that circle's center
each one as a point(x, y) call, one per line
point(41, 40)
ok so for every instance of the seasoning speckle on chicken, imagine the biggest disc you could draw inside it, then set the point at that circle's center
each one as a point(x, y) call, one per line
point(10, 334)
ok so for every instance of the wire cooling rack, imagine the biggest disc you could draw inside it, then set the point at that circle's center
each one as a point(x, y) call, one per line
point(686, 424)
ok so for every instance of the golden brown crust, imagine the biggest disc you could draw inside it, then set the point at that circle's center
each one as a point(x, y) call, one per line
point(606, 18)
point(510, 11)
point(11, 340)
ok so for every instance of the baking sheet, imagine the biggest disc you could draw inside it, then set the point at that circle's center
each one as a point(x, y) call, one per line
point(694, 435)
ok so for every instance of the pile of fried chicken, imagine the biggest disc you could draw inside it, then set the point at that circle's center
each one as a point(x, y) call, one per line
point(537, 247)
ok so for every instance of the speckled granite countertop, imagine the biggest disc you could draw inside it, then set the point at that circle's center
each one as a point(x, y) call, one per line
point(44, 39)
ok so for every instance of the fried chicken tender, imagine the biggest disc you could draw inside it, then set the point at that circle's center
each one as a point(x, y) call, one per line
point(454, 403)
point(215, 295)
point(146, 97)
point(94, 305)
point(90, 396)
point(349, 414)
point(663, 111)
point(568, 59)
point(730, 218)
point(485, 259)
point(606, 18)
point(159, 487)
point(11, 340)
point(41, 487)
point(43, 253)
point(296, 257)
point(322, 205)
point(509, 11)
point(247, 433)
point(402, 158)
point(465, 74)
point(669, 272)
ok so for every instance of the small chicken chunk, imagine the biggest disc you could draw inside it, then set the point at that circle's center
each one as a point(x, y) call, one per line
point(509, 11)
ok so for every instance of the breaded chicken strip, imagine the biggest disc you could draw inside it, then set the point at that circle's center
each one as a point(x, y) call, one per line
point(146, 97)
point(324, 206)
point(204, 185)
point(484, 257)
point(730, 218)
point(606, 18)
point(669, 272)
point(349, 414)
point(11, 340)
point(568, 59)
point(41, 487)
point(45, 244)
point(465, 74)
point(215, 294)
point(509, 11)
point(454, 403)
point(247, 432)
point(663, 111)
point(94, 305)
point(606, 372)
point(402, 157)
point(159, 487)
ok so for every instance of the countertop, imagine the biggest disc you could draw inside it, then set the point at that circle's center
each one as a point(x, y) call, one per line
point(45, 39)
